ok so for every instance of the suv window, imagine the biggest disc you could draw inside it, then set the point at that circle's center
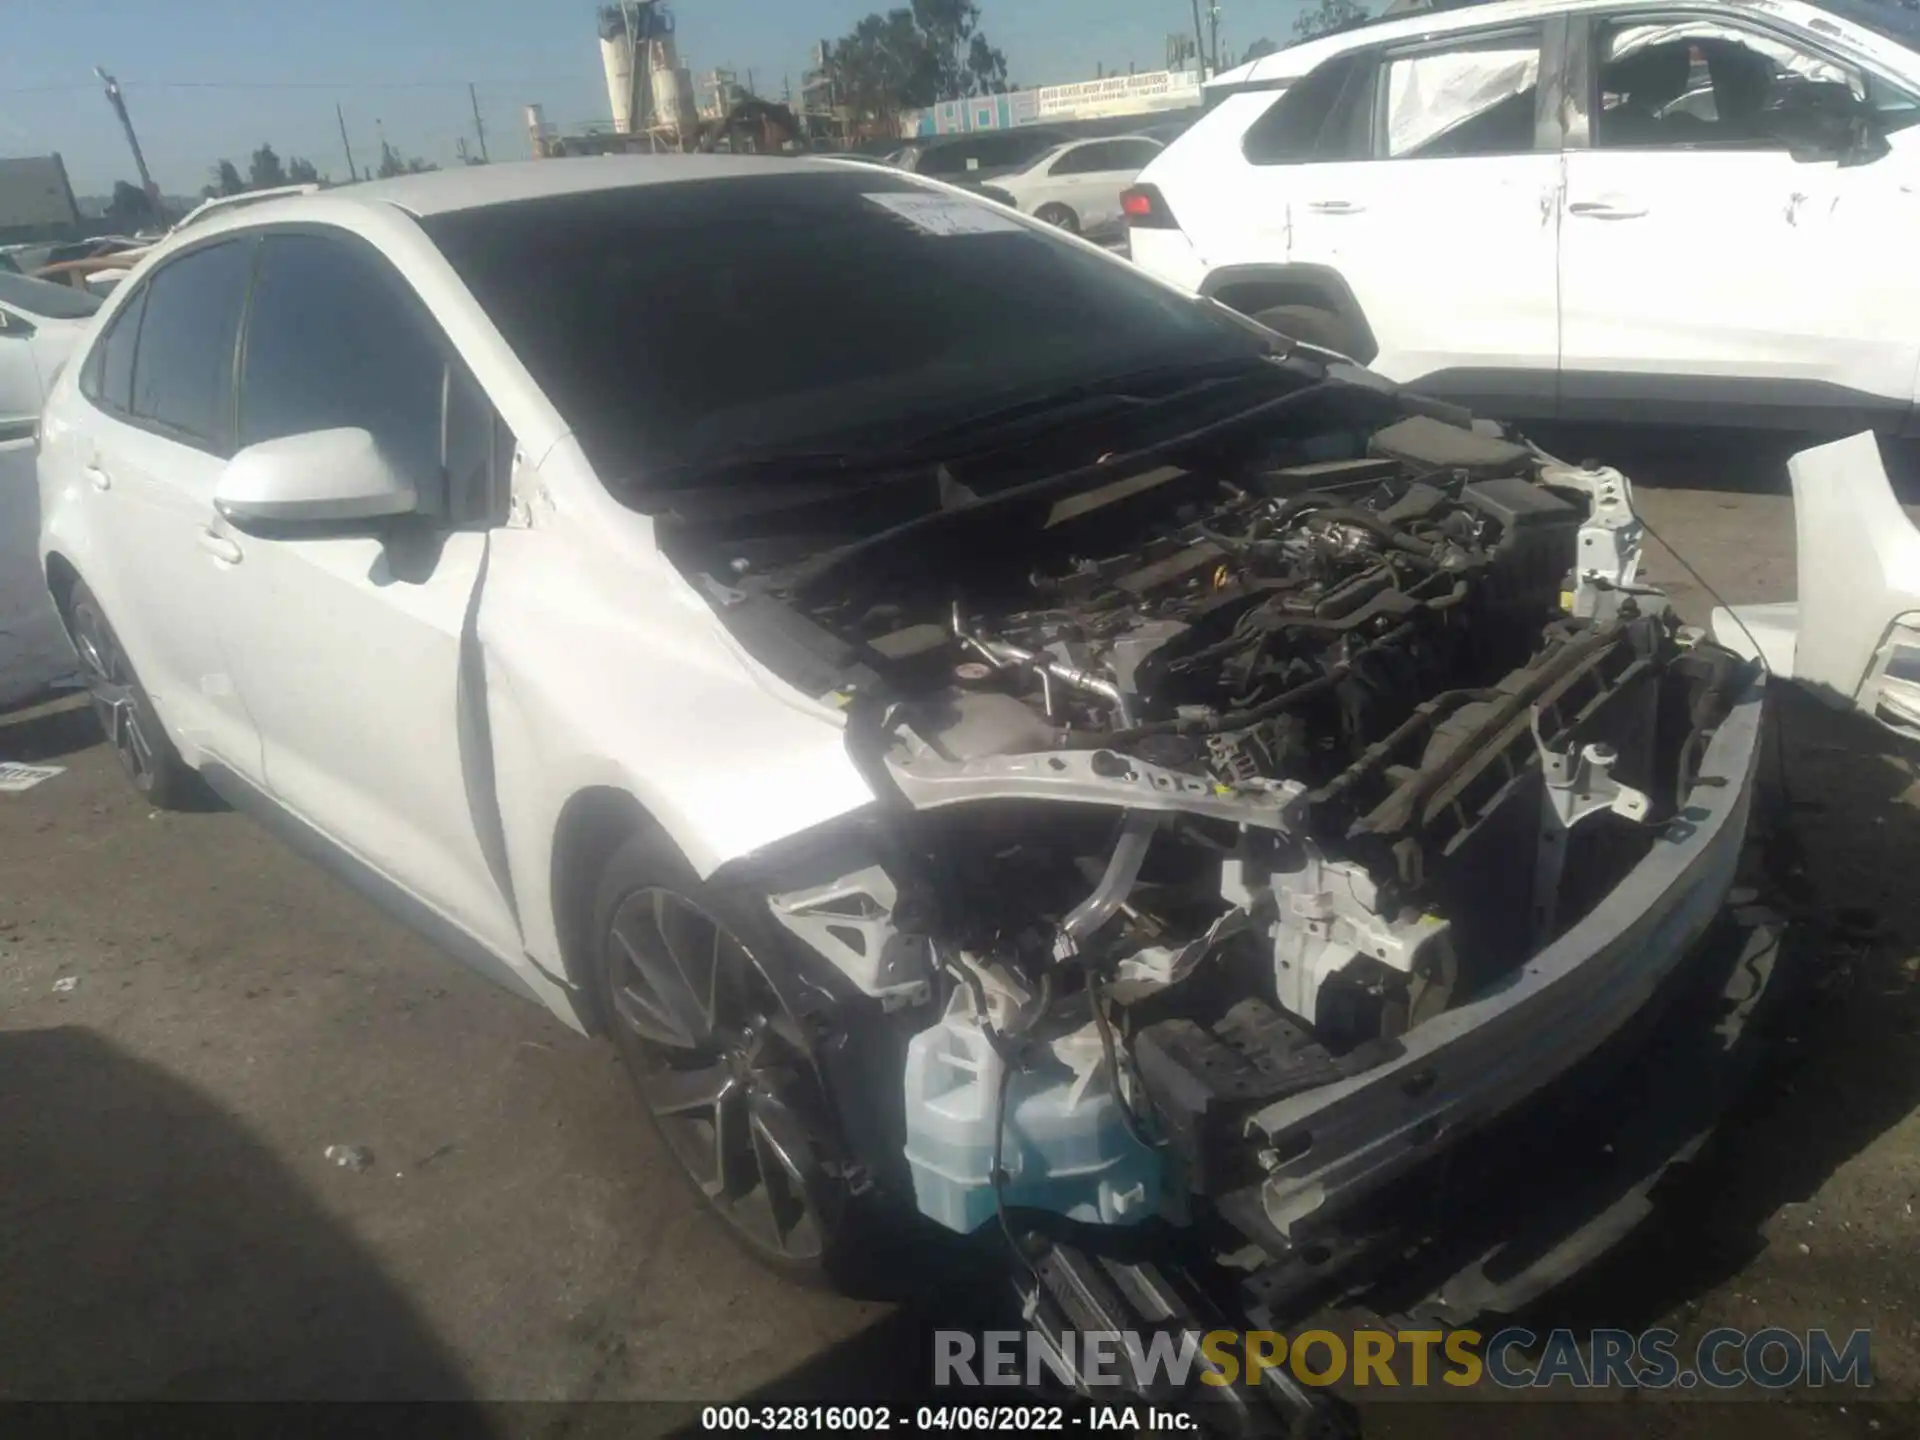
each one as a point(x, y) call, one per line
point(336, 338)
point(1696, 83)
point(1471, 99)
point(108, 377)
point(183, 366)
point(1325, 115)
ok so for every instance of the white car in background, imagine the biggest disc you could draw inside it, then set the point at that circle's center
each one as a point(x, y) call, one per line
point(1077, 186)
point(1615, 243)
point(40, 324)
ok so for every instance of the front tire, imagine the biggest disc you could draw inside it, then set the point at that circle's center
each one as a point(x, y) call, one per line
point(1059, 215)
point(703, 1014)
point(146, 755)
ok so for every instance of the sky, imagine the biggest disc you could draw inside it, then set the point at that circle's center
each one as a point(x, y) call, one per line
point(212, 79)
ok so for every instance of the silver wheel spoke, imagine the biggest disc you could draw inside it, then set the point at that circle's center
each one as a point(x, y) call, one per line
point(689, 1092)
point(719, 1053)
point(779, 1166)
point(641, 1006)
point(732, 1149)
point(690, 943)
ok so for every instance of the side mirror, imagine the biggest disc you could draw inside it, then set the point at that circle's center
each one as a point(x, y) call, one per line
point(325, 477)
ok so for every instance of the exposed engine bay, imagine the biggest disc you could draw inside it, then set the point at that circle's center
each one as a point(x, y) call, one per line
point(1209, 790)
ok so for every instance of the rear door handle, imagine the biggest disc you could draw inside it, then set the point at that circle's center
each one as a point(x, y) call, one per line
point(98, 478)
point(219, 546)
point(1602, 210)
point(1334, 207)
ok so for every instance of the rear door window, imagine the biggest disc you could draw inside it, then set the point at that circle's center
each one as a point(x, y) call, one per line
point(1475, 98)
point(183, 366)
point(108, 378)
point(1325, 116)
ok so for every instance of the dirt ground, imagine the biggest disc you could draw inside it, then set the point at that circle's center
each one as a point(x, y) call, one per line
point(170, 1224)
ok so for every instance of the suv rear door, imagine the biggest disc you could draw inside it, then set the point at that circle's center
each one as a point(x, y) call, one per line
point(1429, 187)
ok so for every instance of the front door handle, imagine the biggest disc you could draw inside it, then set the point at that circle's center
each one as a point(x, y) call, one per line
point(221, 547)
point(1602, 210)
point(1334, 207)
point(98, 478)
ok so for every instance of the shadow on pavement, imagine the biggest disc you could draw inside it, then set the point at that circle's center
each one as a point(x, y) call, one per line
point(49, 730)
point(152, 1249)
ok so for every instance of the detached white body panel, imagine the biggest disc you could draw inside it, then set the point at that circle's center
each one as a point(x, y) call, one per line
point(1853, 636)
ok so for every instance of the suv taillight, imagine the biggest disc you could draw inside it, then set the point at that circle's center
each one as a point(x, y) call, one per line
point(1146, 208)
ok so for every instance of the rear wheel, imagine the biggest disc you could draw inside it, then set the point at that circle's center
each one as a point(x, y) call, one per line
point(1060, 215)
point(127, 716)
point(1311, 325)
point(722, 1063)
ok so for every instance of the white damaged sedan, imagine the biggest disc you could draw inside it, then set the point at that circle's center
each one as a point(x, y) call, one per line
point(988, 735)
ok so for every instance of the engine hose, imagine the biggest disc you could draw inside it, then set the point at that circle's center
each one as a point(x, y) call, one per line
point(1112, 1058)
point(1240, 719)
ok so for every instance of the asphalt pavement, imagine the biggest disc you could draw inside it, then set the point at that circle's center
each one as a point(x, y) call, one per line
point(190, 1016)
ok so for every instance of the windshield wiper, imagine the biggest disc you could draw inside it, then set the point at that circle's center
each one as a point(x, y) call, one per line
point(1135, 390)
point(1131, 389)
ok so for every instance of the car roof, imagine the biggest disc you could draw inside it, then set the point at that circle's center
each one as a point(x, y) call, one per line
point(474, 187)
point(1295, 60)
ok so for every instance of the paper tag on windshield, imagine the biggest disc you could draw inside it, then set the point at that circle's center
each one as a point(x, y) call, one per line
point(941, 215)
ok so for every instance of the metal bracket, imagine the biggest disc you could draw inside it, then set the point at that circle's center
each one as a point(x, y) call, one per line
point(1579, 785)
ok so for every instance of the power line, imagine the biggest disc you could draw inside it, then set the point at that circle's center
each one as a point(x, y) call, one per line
point(520, 83)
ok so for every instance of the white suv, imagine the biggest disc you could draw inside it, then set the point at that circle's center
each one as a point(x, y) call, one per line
point(1576, 208)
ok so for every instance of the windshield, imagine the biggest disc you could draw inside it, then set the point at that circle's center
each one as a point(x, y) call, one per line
point(48, 301)
point(674, 325)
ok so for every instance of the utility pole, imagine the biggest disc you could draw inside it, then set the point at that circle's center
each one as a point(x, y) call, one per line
point(1199, 40)
point(1213, 46)
point(479, 127)
point(119, 104)
point(345, 144)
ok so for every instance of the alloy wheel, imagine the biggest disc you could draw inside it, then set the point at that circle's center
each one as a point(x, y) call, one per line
point(110, 684)
point(722, 1065)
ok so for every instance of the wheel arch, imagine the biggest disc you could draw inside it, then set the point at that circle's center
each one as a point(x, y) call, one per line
point(592, 824)
point(62, 576)
point(1250, 289)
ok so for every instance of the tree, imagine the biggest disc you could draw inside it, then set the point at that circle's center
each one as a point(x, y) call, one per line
point(128, 210)
point(882, 68)
point(393, 163)
point(226, 180)
point(1258, 48)
point(301, 172)
point(1327, 16)
point(908, 59)
point(264, 170)
point(962, 61)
